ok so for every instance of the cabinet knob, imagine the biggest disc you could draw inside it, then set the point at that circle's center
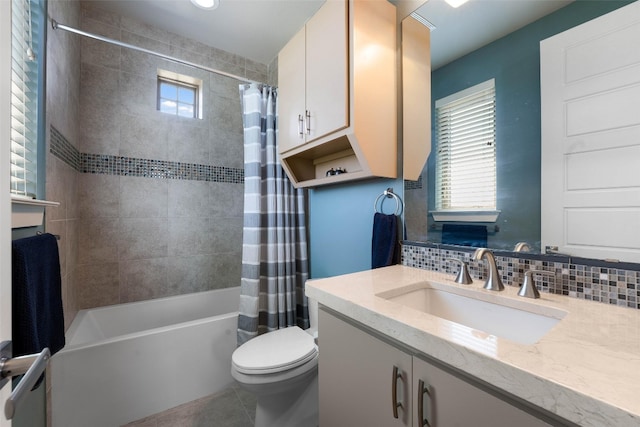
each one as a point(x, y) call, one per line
point(422, 390)
point(394, 391)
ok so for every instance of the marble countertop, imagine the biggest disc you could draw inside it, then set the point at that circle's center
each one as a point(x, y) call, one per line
point(586, 369)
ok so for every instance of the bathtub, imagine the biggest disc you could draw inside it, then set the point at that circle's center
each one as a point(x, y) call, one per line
point(125, 362)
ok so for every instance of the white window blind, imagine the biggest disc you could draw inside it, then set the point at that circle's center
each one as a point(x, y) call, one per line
point(466, 150)
point(25, 32)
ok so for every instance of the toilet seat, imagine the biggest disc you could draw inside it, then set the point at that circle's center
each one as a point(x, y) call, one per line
point(274, 352)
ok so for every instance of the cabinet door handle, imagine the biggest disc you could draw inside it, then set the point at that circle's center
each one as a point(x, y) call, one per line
point(394, 391)
point(308, 121)
point(300, 125)
point(422, 390)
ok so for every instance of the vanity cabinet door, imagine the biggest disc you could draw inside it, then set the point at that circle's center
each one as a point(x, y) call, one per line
point(356, 377)
point(449, 401)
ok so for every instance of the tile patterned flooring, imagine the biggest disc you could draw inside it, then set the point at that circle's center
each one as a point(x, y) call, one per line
point(233, 407)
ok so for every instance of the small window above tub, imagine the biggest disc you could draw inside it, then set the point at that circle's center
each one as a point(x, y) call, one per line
point(179, 95)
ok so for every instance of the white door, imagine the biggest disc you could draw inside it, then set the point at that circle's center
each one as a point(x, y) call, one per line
point(590, 93)
point(5, 202)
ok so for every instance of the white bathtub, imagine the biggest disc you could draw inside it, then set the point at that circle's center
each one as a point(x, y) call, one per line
point(125, 362)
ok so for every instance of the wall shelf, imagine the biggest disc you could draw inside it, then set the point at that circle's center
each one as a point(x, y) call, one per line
point(28, 212)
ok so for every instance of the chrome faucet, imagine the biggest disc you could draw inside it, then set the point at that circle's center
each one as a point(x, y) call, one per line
point(463, 277)
point(528, 288)
point(493, 282)
point(522, 247)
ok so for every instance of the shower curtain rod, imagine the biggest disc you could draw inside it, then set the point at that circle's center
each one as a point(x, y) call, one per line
point(56, 25)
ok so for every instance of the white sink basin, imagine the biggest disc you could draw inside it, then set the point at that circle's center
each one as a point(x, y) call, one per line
point(519, 321)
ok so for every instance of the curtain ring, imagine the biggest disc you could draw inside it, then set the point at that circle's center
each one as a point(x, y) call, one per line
point(388, 193)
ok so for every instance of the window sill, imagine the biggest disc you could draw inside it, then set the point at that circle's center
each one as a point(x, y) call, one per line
point(27, 212)
point(465, 216)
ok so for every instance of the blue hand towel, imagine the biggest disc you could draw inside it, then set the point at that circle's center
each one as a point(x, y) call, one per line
point(384, 240)
point(38, 320)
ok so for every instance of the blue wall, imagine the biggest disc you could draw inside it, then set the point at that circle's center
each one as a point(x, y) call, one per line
point(514, 62)
point(341, 223)
point(341, 216)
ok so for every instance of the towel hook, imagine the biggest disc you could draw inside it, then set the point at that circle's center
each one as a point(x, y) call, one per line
point(388, 193)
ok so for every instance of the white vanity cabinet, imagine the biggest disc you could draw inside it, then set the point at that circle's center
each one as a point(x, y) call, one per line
point(355, 377)
point(359, 386)
point(448, 400)
point(337, 95)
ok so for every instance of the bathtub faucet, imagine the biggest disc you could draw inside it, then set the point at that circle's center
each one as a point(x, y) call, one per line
point(493, 282)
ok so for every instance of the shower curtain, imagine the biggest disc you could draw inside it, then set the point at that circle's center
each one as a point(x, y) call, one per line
point(274, 242)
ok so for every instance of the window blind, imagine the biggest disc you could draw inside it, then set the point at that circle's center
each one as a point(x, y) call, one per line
point(25, 30)
point(466, 150)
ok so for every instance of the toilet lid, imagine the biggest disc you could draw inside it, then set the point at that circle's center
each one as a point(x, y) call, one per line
point(275, 351)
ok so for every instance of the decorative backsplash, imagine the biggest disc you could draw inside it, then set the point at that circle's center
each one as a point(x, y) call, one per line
point(130, 166)
point(593, 280)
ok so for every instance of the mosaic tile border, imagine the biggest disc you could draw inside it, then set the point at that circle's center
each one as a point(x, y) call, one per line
point(605, 284)
point(131, 166)
point(413, 185)
point(64, 150)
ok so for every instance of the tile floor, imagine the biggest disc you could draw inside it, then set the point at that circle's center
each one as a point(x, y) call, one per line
point(232, 407)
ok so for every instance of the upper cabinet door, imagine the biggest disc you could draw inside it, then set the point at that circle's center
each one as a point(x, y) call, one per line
point(313, 78)
point(327, 70)
point(590, 91)
point(291, 100)
point(348, 120)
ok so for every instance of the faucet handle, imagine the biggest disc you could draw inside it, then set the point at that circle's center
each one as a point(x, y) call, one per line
point(528, 288)
point(463, 277)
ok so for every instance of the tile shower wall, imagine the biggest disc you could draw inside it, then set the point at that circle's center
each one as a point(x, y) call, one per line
point(63, 109)
point(605, 282)
point(160, 198)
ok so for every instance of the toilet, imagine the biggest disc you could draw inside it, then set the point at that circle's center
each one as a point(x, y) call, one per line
point(281, 369)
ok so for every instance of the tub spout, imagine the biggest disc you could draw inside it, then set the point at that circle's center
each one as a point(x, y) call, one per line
point(493, 283)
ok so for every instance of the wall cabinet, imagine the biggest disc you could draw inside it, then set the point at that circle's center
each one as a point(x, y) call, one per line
point(367, 381)
point(337, 90)
point(416, 90)
point(314, 79)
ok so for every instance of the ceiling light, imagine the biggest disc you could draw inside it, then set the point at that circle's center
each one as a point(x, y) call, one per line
point(452, 3)
point(206, 4)
point(424, 21)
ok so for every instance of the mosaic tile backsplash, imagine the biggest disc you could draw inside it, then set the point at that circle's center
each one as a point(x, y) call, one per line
point(578, 278)
point(129, 166)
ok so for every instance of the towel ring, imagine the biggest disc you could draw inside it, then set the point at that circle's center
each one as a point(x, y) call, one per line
point(388, 193)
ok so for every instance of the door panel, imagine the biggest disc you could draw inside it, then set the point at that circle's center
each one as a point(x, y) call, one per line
point(590, 93)
point(291, 101)
point(327, 69)
point(5, 203)
point(452, 402)
point(356, 376)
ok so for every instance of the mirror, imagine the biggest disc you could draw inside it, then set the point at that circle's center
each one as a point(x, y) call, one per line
point(510, 55)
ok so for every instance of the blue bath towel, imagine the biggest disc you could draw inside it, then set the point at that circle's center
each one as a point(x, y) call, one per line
point(384, 240)
point(38, 320)
point(464, 235)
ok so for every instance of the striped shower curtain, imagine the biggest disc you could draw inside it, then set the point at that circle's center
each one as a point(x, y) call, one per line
point(274, 243)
